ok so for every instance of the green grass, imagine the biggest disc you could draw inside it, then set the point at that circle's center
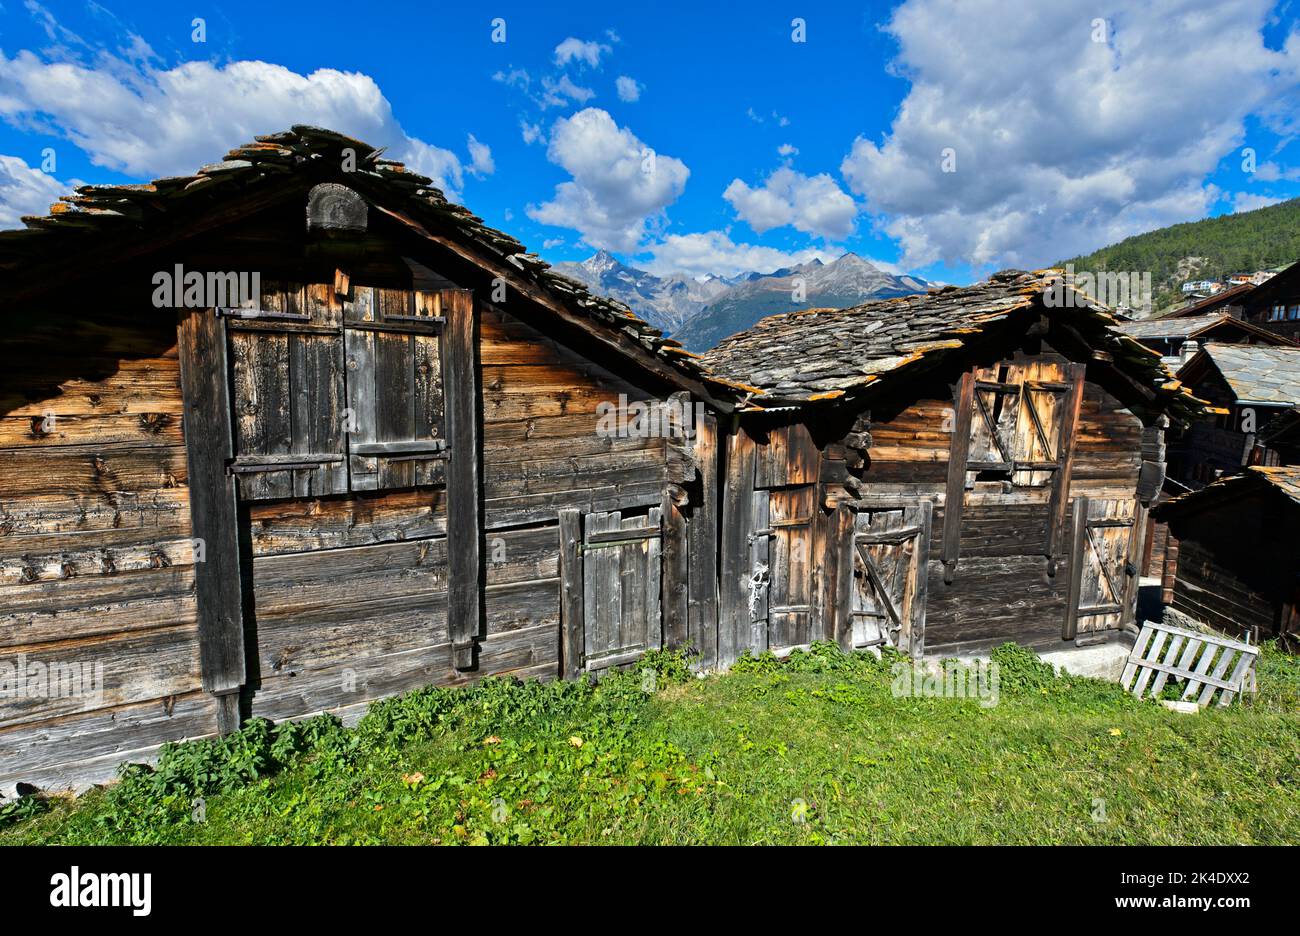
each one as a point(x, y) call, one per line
point(816, 750)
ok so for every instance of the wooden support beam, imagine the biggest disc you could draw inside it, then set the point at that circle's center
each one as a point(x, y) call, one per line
point(702, 562)
point(209, 446)
point(571, 598)
point(958, 453)
point(1070, 629)
point(676, 570)
point(1060, 500)
point(843, 528)
point(464, 520)
point(737, 524)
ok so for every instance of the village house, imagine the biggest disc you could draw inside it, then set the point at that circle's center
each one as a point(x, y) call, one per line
point(1246, 386)
point(364, 471)
point(1275, 304)
point(1177, 338)
point(294, 434)
point(1232, 560)
point(963, 468)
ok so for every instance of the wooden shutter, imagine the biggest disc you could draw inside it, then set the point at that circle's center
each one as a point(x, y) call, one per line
point(1099, 565)
point(286, 360)
point(994, 420)
point(1044, 398)
point(891, 547)
point(1017, 421)
point(621, 564)
point(395, 388)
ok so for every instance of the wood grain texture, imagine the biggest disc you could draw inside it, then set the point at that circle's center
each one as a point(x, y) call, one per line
point(213, 510)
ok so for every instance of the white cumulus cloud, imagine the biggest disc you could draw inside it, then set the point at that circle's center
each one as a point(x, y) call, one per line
point(812, 204)
point(629, 89)
point(146, 121)
point(1061, 143)
point(25, 190)
point(715, 252)
point(618, 186)
point(579, 50)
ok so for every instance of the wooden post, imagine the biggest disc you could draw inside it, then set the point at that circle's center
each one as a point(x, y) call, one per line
point(702, 599)
point(209, 447)
point(958, 453)
point(1077, 558)
point(571, 599)
point(922, 595)
point(737, 524)
point(676, 571)
point(464, 596)
point(1133, 565)
point(843, 527)
point(1061, 482)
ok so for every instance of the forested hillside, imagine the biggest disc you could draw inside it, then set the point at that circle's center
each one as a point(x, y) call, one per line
point(1208, 249)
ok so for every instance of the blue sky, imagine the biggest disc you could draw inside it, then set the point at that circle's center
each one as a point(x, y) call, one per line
point(947, 139)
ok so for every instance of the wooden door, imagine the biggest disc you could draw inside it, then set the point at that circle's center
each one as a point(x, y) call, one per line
point(782, 569)
point(611, 572)
point(891, 545)
point(1100, 565)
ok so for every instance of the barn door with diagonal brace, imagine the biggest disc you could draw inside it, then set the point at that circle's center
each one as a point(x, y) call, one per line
point(890, 547)
point(1100, 569)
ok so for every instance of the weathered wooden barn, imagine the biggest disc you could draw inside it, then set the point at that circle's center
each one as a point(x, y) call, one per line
point(367, 476)
point(1236, 565)
point(1179, 337)
point(1247, 387)
point(940, 473)
point(295, 433)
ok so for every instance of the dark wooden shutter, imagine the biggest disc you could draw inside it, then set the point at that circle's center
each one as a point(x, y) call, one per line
point(891, 545)
point(286, 360)
point(202, 349)
point(395, 388)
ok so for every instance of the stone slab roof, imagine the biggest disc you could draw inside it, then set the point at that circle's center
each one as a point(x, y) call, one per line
point(1256, 373)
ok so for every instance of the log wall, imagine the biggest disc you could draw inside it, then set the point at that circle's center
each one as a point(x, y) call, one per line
point(96, 560)
point(349, 600)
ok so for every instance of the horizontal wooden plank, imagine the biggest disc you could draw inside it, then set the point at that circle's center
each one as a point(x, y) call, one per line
point(108, 671)
point(87, 747)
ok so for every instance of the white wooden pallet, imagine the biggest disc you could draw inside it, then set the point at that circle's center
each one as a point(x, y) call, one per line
point(1206, 664)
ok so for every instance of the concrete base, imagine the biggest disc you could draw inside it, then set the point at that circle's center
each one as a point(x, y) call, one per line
point(1104, 660)
point(1100, 661)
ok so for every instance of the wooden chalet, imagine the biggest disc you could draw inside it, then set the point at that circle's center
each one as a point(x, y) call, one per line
point(1247, 387)
point(940, 473)
point(295, 433)
point(1232, 559)
point(1275, 304)
point(372, 476)
point(1178, 338)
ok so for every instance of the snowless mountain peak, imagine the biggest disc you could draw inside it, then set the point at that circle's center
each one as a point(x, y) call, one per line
point(700, 311)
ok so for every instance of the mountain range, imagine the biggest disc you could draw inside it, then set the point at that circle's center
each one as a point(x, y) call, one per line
point(701, 312)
